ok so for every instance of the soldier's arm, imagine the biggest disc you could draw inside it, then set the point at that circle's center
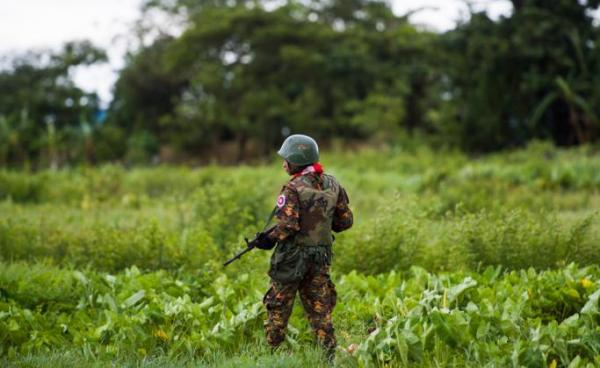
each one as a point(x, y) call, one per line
point(342, 217)
point(288, 215)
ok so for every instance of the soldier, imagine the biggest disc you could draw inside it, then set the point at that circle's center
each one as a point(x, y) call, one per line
point(310, 206)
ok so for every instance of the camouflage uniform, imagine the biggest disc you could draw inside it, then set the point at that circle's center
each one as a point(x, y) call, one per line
point(310, 207)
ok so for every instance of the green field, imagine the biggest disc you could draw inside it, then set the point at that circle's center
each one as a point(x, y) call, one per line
point(453, 261)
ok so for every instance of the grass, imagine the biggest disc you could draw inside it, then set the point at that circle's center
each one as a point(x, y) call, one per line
point(94, 262)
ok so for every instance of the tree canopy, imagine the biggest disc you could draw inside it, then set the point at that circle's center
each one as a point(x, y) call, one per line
point(41, 109)
point(532, 75)
point(244, 74)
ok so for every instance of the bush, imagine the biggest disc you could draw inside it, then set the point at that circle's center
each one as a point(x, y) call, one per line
point(519, 239)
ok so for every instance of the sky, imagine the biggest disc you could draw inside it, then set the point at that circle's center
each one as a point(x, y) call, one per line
point(43, 24)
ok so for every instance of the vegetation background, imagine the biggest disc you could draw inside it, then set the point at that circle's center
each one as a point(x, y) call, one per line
point(471, 158)
point(239, 78)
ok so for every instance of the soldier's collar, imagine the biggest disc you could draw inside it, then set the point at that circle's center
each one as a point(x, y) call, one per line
point(316, 168)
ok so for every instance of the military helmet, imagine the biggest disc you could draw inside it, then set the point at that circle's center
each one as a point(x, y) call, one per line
point(299, 150)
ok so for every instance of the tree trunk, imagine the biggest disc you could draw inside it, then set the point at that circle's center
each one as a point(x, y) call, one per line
point(518, 4)
point(574, 121)
point(242, 143)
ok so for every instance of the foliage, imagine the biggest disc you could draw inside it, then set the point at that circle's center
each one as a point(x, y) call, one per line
point(451, 261)
point(246, 75)
point(239, 76)
point(520, 318)
point(527, 76)
point(353, 69)
point(44, 117)
point(534, 207)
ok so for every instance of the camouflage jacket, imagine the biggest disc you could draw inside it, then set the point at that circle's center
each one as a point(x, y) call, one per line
point(310, 206)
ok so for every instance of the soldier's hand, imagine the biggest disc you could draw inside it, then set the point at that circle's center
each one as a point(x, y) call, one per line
point(262, 241)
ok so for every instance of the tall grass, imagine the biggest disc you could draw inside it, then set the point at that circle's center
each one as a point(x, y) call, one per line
point(123, 266)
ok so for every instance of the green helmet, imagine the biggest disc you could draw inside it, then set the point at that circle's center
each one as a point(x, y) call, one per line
point(299, 150)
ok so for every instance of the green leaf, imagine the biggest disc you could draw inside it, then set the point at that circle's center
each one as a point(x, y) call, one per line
point(455, 291)
point(134, 299)
point(13, 325)
point(81, 278)
point(591, 307)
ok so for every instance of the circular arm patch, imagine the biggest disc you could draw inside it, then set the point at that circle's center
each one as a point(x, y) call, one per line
point(281, 201)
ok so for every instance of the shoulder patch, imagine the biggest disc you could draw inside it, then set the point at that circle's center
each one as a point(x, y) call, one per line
point(281, 201)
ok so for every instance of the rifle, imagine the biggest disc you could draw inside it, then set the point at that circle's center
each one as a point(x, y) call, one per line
point(250, 243)
point(249, 246)
point(240, 254)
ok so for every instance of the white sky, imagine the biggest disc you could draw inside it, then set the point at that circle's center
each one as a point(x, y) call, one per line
point(26, 24)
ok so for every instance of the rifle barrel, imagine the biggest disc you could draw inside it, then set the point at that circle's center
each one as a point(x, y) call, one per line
point(237, 256)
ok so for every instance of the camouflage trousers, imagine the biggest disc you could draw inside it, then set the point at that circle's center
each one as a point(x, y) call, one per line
point(318, 296)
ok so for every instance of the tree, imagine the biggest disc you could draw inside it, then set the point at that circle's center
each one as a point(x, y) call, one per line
point(41, 109)
point(531, 75)
point(244, 74)
point(144, 98)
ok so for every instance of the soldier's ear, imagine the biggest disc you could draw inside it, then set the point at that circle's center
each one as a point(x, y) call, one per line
point(293, 168)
